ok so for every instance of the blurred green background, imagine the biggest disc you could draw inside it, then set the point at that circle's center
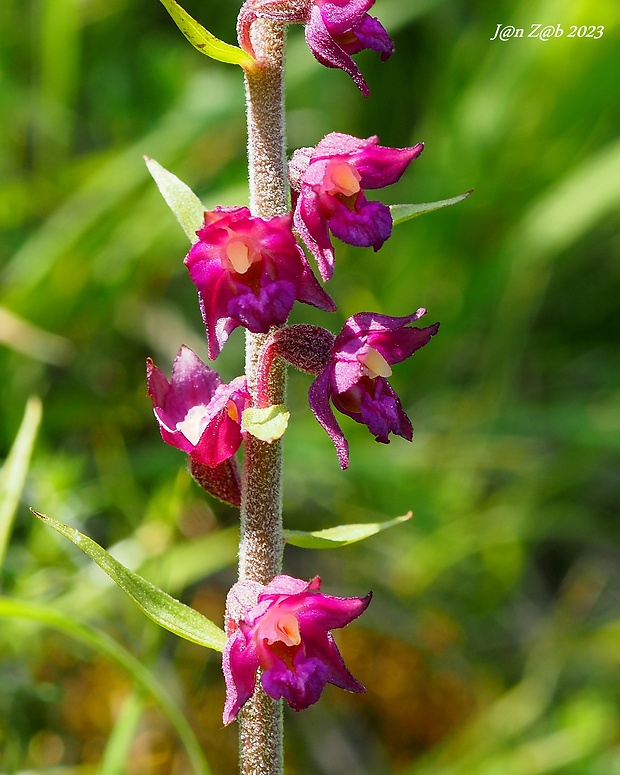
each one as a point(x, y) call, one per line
point(492, 646)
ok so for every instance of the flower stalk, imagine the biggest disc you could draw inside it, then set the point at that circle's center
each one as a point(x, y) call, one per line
point(261, 544)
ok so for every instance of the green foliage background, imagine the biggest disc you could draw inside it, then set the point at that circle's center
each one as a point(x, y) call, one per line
point(492, 645)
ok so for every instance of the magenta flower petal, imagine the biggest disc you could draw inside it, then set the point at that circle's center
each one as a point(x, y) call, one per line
point(342, 15)
point(370, 34)
point(393, 337)
point(324, 650)
point(329, 183)
point(284, 630)
point(287, 585)
point(248, 272)
point(328, 613)
point(240, 664)
point(319, 399)
point(328, 52)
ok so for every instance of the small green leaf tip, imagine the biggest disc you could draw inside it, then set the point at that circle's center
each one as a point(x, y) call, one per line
point(333, 537)
point(402, 213)
point(205, 41)
point(155, 603)
point(185, 205)
point(267, 424)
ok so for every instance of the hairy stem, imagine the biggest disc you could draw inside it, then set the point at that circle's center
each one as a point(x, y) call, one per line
point(261, 545)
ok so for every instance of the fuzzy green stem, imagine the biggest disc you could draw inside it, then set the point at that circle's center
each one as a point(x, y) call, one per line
point(261, 545)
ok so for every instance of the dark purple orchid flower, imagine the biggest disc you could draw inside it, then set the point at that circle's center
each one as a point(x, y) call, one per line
point(283, 628)
point(335, 29)
point(338, 28)
point(328, 185)
point(355, 377)
point(249, 272)
point(201, 416)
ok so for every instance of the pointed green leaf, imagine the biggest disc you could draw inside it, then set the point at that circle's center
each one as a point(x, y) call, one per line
point(187, 208)
point(333, 537)
point(157, 604)
point(266, 424)
point(204, 41)
point(402, 213)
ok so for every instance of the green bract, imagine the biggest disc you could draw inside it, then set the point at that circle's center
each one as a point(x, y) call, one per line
point(267, 424)
point(187, 208)
point(157, 604)
point(402, 213)
point(333, 537)
point(204, 41)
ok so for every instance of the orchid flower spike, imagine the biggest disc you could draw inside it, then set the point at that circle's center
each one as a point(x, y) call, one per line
point(335, 29)
point(249, 271)
point(328, 184)
point(283, 628)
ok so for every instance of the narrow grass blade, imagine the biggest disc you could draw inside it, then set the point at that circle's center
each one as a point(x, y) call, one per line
point(156, 604)
point(103, 644)
point(119, 743)
point(13, 474)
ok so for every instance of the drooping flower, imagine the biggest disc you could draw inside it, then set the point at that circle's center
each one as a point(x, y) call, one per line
point(283, 628)
point(200, 415)
point(328, 184)
point(335, 29)
point(355, 377)
point(249, 271)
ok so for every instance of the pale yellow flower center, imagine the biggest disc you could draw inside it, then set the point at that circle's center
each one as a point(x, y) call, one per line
point(375, 364)
point(238, 254)
point(341, 178)
point(286, 630)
